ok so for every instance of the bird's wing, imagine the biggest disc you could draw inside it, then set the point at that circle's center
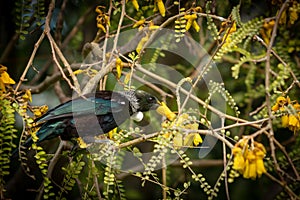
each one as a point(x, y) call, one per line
point(96, 104)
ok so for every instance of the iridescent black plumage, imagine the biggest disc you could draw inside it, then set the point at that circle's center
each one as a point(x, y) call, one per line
point(93, 114)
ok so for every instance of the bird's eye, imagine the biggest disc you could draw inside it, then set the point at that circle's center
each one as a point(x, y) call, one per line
point(150, 99)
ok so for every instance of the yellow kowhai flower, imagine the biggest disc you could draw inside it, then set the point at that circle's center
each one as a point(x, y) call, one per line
point(249, 161)
point(161, 7)
point(293, 122)
point(5, 78)
point(250, 166)
point(139, 23)
point(231, 29)
point(27, 96)
point(98, 9)
point(78, 71)
point(197, 9)
point(180, 139)
point(127, 78)
point(163, 109)
point(119, 67)
point(189, 140)
point(281, 102)
point(101, 27)
point(260, 147)
point(152, 26)
point(227, 36)
point(112, 132)
point(34, 137)
point(260, 167)
point(192, 138)
point(81, 143)
point(135, 4)
point(266, 30)
point(102, 19)
point(192, 21)
point(283, 17)
point(291, 113)
point(293, 12)
point(285, 121)
point(196, 26)
point(197, 139)
point(296, 124)
point(39, 110)
point(290, 15)
point(141, 43)
point(238, 161)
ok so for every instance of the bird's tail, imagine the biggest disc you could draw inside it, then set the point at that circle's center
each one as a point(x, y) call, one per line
point(47, 131)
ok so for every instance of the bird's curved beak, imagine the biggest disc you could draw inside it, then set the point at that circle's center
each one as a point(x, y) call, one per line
point(158, 103)
point(155, 106)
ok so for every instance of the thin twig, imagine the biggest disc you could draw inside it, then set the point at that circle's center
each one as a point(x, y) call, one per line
point(280, 59)
point(151, 85)
point(164, 177)
point(52, 44)
point(193, 97)
point(104, 63)
point(119, 27)
point(267, 85)
point(283, 184)
point(282, 148)
point(225, 161)
point(64, 44)
point(56, 49)
point(138, 140)
point(36, 89)
point(96, 182)
point(36, 46)
point(170, 19)
point(91, 84)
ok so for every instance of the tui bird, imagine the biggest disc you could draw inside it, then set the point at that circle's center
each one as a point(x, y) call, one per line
point(93, 114)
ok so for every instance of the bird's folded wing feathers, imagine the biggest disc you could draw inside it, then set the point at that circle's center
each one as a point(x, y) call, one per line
point(89, 105)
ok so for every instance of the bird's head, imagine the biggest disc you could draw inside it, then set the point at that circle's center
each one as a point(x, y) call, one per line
point(146, 101)
point(141, 101)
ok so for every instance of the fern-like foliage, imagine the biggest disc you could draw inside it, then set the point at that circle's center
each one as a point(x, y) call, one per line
point(235, 13)
point(28, 14)
point(42, 161)
point(41, 157)
point(180, 24)
point(186, 163)
point(39, 12)
point(111, 160)
point(246, 58)
point(210, 23)
point(282, 76)
point(236, 68)
point(250, 78)
point(22, 17)
point(218, 88)
point(113, 188)
point(72, 172)
point(158, 52)
point(248, 29)
point(160, 150)
point(7, 134)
